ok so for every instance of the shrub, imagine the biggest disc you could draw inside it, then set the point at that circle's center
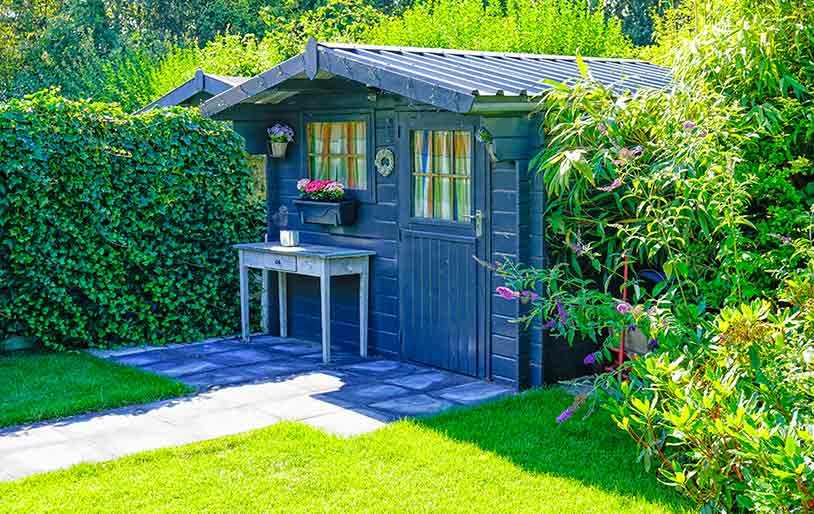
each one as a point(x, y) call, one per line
point(730, 422)
point(115, 228)
point(533, 26)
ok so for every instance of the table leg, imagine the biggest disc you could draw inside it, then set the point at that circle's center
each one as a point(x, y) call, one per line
point(282, 291)
point(244, 300)
point(264, 301)
point(325, 297)
point(364, 279)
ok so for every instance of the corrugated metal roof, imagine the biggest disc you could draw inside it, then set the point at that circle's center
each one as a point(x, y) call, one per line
point(498, 73)
point(455, 80)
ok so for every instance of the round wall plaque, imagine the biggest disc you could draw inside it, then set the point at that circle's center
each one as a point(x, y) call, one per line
point(385, 161)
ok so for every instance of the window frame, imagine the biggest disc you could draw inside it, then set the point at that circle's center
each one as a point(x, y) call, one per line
point(469, 178)
point(363, 195)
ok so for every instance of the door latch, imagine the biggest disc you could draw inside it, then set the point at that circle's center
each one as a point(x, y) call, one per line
point(478, 217)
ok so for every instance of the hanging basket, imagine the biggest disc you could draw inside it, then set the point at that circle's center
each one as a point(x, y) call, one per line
point(277, 150)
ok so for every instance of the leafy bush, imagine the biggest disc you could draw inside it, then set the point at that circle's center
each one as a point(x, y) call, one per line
point(705, 191)
point(730, 422)
point(116, 228)
point(533, 26)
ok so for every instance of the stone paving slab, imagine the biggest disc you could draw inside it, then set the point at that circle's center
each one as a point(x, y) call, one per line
point(474, 392)
point(242, 386)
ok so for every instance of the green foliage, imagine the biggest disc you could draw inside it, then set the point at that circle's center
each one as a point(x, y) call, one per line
point(711, 184)
point(650, 177)
point(729, 422)
point(533, 26)
point(116, 229)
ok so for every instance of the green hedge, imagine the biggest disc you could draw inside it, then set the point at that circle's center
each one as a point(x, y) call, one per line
point(116, 229)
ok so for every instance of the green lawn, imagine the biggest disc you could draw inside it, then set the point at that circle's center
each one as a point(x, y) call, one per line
point(505, 457)
point(41, 386)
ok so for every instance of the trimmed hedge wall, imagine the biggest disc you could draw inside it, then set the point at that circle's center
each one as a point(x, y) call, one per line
point(116, 229)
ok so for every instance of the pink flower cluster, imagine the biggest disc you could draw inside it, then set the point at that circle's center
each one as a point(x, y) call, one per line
point(325, 190)
point(314, 186)
point(523, 296)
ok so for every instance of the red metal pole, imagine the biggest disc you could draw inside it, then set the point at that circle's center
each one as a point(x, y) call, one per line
point(624, 330)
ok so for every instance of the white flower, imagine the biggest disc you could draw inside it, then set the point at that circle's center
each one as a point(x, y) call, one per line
point(301, 183)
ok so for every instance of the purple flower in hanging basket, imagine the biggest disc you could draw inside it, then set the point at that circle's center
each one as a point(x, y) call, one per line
point(653, 344)
point(281, 133)
point(589, 359)
point(631, 328)
point(623, 308)
point(527, 296)
point(506, 293)
point(550, 323)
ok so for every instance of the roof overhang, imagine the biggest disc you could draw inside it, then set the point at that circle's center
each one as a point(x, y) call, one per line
point(200, 83)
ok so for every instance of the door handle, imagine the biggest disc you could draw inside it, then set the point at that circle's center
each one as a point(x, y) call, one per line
point(478, 217)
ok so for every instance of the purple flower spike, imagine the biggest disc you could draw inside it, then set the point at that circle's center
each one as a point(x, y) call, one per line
point(653, 344)
point(562, 313)
point(613, 185)
point(631, 328)
point(506, 293)
point(589, 359)
point(689, 125)
point(565, 415)
point(528, 296)
point(623, 308)
point(550, 324)
point(578, 248)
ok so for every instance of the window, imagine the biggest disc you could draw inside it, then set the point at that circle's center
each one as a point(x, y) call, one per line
point(337, 150)
point(257, 165)
point(442, 170)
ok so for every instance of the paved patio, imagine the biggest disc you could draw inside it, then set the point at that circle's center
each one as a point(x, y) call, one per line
point(242, 387)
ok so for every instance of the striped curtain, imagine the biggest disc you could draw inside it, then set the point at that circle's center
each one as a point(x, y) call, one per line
point(442, 169)
point(337, 150)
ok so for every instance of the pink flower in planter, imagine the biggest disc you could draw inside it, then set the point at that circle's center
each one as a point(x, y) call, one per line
point(506, 293)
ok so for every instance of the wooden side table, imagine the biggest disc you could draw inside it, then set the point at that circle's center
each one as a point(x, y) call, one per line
point(322, 262)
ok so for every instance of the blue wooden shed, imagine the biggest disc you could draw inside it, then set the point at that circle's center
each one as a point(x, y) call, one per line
point(201, 87)
point(460, 128)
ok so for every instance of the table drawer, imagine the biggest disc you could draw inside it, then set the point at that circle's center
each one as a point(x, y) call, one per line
point(270, 261)
point(309, 266)
point(347, 266)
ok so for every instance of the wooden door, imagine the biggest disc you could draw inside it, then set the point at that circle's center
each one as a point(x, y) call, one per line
point(442, 203)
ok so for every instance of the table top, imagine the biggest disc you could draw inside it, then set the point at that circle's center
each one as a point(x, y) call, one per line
point(307, 250)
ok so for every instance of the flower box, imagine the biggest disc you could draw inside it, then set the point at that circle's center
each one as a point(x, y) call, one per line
point(327, 213)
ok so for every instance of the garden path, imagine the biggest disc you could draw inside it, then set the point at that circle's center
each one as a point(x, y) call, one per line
point(242, 386)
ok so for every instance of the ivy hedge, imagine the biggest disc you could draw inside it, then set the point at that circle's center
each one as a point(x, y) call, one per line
point(116, 228)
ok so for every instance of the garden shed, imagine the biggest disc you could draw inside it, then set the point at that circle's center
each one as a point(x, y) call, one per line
point(434, 145)
point(196, 90)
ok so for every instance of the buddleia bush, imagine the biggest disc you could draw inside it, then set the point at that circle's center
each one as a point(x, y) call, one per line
point(117, 229)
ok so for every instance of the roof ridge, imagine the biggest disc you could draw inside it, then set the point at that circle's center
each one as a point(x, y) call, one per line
point(458, 51)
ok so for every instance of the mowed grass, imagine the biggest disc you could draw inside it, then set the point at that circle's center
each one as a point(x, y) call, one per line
point(41, 386)
point(508, 456)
